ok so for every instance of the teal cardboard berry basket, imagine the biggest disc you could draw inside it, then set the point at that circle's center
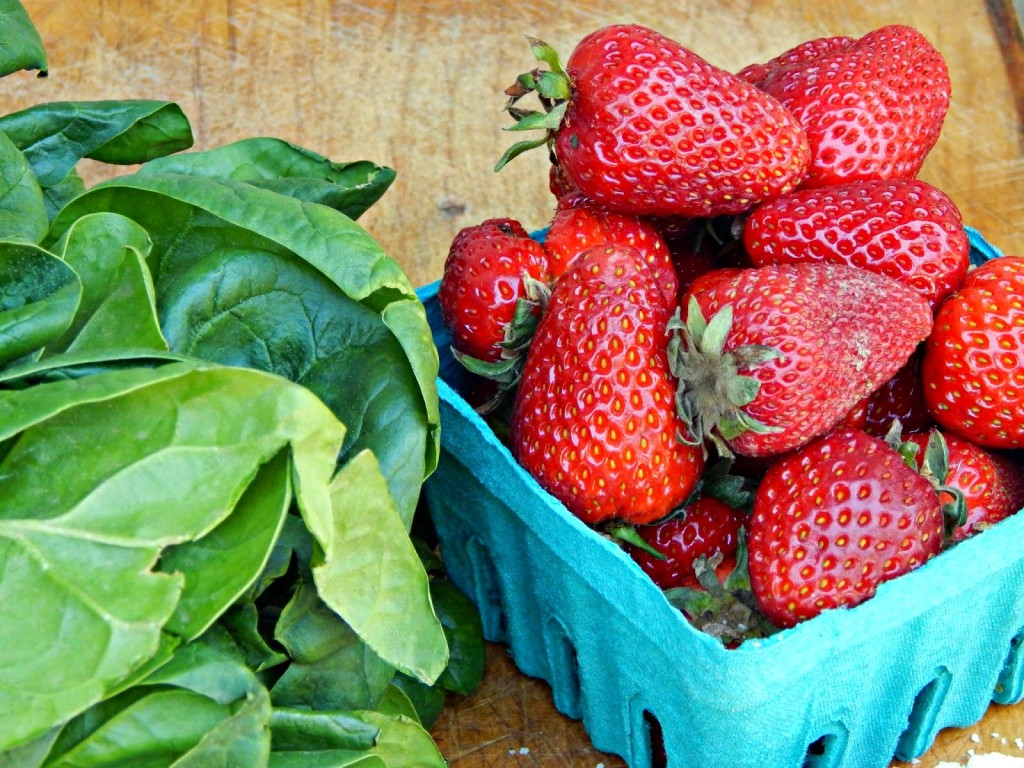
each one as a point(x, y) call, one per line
point(851, 688)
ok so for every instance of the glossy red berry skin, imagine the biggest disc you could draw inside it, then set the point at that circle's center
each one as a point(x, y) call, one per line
point(581, 225)
point(482, 281)
point(653, 129)
point(834, 520)
point(973, 368)
point(903, 228)
point(707, 528)
point(992, 482)
point(871, 109)
point(594, 419)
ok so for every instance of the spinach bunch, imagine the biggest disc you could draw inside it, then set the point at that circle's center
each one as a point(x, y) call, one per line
point(217, 409)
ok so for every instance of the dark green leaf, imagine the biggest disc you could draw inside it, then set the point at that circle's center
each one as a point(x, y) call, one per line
point(20, 44)
point(39, 295)
point(332, 667)
point(288, 169)
point(245, 276)
point(55, 136)
point(62, 193)
point(462, 627)
point(241, 621)
point(428, 700)
point(23, 213)
point(334, 758)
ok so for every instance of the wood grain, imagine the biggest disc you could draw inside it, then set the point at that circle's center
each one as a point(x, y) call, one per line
point(417, 85)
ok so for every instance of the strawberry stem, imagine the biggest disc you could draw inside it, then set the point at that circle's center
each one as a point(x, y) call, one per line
point(628, 534)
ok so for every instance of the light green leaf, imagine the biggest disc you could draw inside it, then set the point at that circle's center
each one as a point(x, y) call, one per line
point(118, 306)
point(403, 743)
point(204, 708)
point(174, 450)
point(221, 565)
point(378, 584)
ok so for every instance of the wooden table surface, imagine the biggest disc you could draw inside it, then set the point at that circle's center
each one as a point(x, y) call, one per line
point(417, 85)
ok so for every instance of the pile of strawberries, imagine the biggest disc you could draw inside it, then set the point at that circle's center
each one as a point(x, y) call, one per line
point(750, 343)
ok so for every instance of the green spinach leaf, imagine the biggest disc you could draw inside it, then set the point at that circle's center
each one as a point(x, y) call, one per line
point(55, 136)
point(245, 276)
point(39, 296)
point(23, 213)
point(378, 582)
point(20, 44)
point(288, 169)
point(177, 448)
point(118, 306)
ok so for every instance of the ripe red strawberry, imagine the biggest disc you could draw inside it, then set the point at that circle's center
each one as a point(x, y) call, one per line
point(901, 399)
point(482, 283)
point(805, 52)
point(642, 125)
point(594, 419)
point(871, 109)
point(903, 228)
point(580, 226)
point(834, 520)
point(771, 357)
point(561, 187)
point(992, 483)
point(973, 369)
point(708, 527)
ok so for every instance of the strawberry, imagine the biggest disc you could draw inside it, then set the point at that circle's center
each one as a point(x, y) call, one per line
point(973, 368)
point(771, 357)
point(561, 187)
point(871, 109)
point(579, 226)
point(641, 125)
point(834, 520)
point(707, 527)
point(903, 228)
point(901, 399)
point(593, 419)
point(992, 483)
point(808, 51)
point(482, 283)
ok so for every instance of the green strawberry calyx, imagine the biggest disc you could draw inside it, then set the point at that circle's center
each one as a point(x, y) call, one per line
point(725, 609)
point(933, 465)
point(552, 88)
point(711, 391)
point(507, 369)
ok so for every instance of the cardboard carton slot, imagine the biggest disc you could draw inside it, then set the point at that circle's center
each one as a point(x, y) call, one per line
point(1010, 685)
point(922, 724)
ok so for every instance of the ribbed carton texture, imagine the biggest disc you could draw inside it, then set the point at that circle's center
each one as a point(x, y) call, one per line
point(852, 688)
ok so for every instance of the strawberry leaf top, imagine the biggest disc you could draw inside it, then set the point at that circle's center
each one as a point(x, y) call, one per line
point(712, 391)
